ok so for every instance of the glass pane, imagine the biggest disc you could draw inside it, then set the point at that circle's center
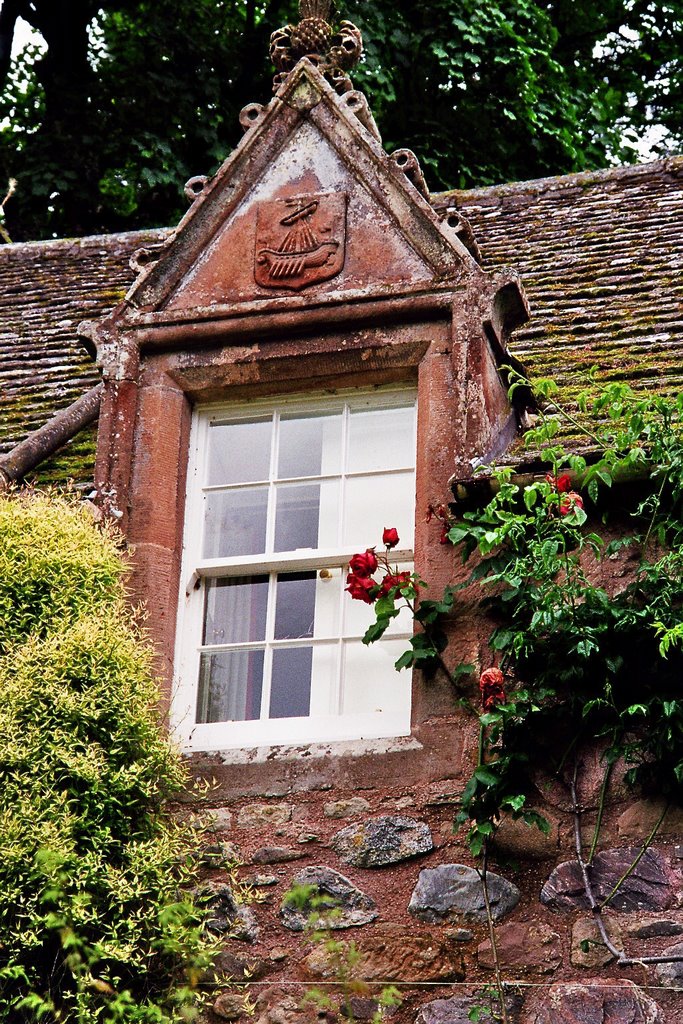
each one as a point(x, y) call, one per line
point(230, 685)
point(235, 522)
point(309, 446)
point(381, 439)
point(372, 684)
point(235, 610)
point(295, 606)
point(239, 452)
point(297, 516)
point(290, 688)
point(375, 502)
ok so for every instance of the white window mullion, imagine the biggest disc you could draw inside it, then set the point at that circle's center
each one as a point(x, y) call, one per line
point(268, 656)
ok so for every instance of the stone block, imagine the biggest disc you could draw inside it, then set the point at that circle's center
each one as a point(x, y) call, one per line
point(640, 818)
point(218, 819)
point(514, 838)
point(230, 1006)
point(653, 925)
point(523, 947)
point(262, 815)
point(671, 974)
point(346, 808)
point(276, 855)
point(596, 954)
point(348, 906)
point(390, 954)
point(381, 841)
point(652, 885)
point(597, 1002)
point(457, 1009)
point(451, 892)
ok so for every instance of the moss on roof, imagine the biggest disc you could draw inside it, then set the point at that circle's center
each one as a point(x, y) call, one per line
point(600, 255)
point(601, 259)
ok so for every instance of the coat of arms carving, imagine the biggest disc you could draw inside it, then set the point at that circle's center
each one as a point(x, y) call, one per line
point(300, 241)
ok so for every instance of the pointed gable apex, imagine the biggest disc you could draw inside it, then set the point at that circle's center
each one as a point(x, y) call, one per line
point(308, 204)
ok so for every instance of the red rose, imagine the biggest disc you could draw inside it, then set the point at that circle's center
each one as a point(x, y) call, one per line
point(570, 501)
point(364, 565)
point(359, 588)
point(562, 483)
point(391, 580)
point(390, 537)
point(492, 691)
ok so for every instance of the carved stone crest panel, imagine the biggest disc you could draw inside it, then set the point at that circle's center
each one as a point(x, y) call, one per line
point(300, 240)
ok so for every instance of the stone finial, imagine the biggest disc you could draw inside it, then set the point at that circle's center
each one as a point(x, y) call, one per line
point(334, 51)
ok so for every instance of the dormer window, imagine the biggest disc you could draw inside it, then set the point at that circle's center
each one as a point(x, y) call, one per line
point(279, 497)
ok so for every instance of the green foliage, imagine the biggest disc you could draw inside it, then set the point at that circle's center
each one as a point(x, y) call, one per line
point(596, 661)
point(133, 97)
point(94, 921)
point(585, 660)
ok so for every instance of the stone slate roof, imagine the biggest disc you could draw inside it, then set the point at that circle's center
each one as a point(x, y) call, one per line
point(601, 259)
point(600, 255)
point(46, 289)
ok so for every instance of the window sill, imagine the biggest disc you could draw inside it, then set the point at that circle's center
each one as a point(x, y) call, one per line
point(306, 751)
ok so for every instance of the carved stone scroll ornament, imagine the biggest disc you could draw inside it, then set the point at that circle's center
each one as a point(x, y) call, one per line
point(334, 51)
point(300, 241)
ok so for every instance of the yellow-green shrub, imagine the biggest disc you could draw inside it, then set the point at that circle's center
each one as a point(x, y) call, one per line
point(94, 925)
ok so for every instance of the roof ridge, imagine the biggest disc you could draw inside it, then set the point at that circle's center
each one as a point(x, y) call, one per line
point(669, 164)
point(46, 246)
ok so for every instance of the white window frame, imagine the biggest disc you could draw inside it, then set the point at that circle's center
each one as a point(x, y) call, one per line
point(193, 736)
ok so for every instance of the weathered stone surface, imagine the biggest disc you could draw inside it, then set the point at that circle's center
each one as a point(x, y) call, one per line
point(597, 1002)
point(640, 818)
point(346, 808)
point(453, 891)
point(279, 1006)
point(258, 815)
point(219, 819)
point(276, 855)
point(671, 974)
point(226, 915)
point(390, 954)
point(219, 855)
point(446, 1011)
point(652, 885)
point(360, 1008)
point(350, 907)
point(649, 926)
point(532, 947)
point(585, 930)
point(260, 881)
point(381, 841)
point(515, 838)
point(277, 954)
point(230, 1006)
point(457, 1009)
point(239, 966)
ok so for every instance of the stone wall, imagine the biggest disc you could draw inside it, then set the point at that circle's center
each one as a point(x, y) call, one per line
point(412, 903)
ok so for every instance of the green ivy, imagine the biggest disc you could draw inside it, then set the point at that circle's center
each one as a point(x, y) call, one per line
point(583, 661)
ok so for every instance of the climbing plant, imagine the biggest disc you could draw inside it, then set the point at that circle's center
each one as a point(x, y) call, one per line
point(581, 655)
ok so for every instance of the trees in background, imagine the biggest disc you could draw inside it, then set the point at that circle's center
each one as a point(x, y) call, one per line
point(126, 99)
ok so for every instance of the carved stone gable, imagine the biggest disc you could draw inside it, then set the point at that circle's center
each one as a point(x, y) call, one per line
point(300, 240)
point(309, 201)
